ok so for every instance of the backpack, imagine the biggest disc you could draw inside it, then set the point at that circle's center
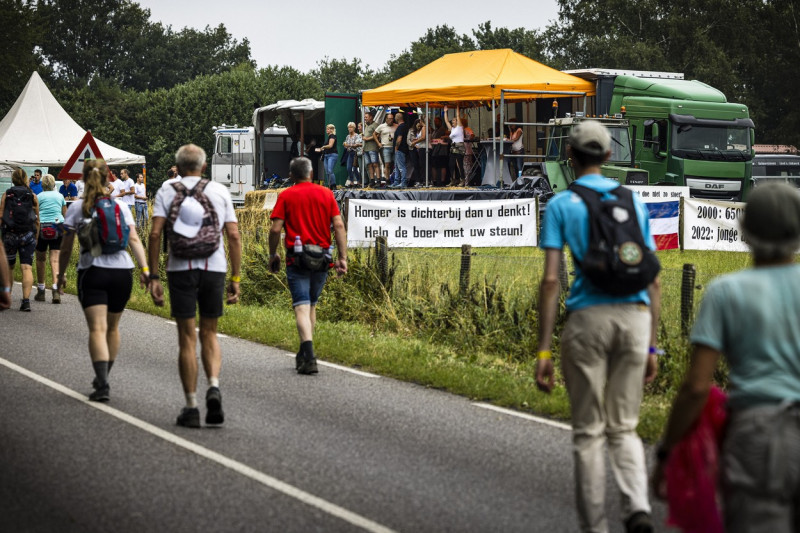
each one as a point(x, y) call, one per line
point(617, 261)
point(111, 226)
point(206, 242)
point(19, 216)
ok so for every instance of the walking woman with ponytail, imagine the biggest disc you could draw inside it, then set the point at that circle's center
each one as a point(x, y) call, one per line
point(104, 279)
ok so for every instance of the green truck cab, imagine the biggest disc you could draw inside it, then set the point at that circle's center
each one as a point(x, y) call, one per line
point(684, 132)
point(620, 166)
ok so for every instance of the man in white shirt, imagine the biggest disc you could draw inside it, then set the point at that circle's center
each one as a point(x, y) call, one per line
point(124, 188)
point(196, 282)
point(140, 197)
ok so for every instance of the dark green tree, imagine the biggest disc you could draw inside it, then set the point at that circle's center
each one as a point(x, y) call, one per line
point(17, 53)
point(526, 42)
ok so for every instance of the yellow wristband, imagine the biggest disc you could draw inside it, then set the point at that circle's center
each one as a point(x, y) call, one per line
point(545, 354)
point(145, 270)
point(237, 279)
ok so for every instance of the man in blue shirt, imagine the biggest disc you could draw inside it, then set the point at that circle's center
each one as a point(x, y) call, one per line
point(36, 182)
point(68, 190)
point(751, 317)
point(604, 346)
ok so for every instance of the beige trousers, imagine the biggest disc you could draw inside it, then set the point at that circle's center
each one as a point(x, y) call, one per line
point(604, 353)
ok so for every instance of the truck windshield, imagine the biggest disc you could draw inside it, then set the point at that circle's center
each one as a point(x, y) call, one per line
point(715, 143)
point(620, 144)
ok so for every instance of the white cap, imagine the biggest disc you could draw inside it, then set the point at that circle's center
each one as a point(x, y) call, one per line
point(190, 218)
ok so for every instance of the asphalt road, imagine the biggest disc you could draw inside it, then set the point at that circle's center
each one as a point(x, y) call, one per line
point(339, 451)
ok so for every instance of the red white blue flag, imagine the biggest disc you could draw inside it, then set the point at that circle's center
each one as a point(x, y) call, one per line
point(664, 222)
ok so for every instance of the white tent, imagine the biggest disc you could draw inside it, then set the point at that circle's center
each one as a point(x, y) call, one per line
point(37, 131)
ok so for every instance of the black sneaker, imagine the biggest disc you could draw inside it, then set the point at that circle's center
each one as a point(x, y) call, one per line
point(40, 295)
point(298, 360)
point(639, 522)
point(25, 306)
point(214, 414)
point(189, 417)
point(308, 366)
point(101, 394)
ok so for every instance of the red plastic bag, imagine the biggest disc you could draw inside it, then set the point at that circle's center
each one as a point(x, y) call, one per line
point(692, 471)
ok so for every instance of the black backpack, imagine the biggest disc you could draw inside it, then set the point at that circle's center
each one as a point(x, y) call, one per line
point(617, 261)
point(19, 216)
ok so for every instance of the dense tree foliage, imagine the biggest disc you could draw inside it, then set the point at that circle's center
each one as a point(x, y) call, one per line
point(148, 89)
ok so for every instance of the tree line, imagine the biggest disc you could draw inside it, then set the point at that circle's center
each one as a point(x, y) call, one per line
point(148, 88)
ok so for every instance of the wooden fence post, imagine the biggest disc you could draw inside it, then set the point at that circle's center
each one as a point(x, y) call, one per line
point(687, 297)
point(466, 262)
point(382, 256)
point(563, 276)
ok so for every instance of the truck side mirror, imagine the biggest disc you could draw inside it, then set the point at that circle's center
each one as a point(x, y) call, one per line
point(655, 135)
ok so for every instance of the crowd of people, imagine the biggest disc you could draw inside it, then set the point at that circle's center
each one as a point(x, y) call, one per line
point(33, 222)
point(402, 151)
point(608, 347)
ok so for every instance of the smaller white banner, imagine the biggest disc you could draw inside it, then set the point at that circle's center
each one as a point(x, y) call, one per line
point(416, 224)
point(712, 225)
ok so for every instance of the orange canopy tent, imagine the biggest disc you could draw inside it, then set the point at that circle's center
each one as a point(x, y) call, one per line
point(476, 78)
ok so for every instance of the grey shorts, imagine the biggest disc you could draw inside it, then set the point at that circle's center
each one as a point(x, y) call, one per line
point(388, 154)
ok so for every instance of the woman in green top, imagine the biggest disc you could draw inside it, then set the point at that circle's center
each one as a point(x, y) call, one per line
point(52, 208)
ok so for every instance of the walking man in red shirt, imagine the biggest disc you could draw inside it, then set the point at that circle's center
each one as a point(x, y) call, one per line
point(306, 212)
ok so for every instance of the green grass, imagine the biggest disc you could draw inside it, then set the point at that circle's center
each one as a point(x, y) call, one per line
point(419, 327)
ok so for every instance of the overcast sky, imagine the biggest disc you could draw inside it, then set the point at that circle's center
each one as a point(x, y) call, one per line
point(300, 33)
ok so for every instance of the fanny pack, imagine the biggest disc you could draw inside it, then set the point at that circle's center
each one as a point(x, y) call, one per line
point(458, 148)
point(314, 258)
point(49, 232)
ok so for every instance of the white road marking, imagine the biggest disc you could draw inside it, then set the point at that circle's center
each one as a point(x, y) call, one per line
point(241, 468)
point(220, 335)
point(540, 420)
point(342, 368)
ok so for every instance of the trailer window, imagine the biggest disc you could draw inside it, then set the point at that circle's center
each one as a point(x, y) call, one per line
point(224, 145)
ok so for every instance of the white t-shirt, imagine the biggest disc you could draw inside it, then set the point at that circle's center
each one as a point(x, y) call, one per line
point(223, 205)
point(140, 190)
point(80, 185)
point(125, 186)
point(457, 134)
point(122, 259)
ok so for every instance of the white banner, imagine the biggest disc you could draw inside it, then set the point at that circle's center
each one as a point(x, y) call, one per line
point(712, 225)
point(416, 224)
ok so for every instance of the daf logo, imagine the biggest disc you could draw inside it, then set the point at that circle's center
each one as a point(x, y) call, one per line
point(714, 186)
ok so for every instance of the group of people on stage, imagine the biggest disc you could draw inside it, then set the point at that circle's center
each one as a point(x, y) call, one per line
point(406, 151)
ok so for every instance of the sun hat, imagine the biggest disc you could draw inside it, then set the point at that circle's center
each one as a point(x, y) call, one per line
point(190, 218)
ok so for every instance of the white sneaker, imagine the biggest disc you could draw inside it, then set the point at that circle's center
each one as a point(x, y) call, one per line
point(348, 183)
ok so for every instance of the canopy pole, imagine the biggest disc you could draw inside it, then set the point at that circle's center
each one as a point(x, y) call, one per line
point(361, 163)
point(494, 143)
point(427, 145)
point(502, 141)
point(302, 134)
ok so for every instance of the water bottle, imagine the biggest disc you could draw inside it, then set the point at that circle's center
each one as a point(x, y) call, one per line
point(329, 255)
point(298, 245)
point(519, 174)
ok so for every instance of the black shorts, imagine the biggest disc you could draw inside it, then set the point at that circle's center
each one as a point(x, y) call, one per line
point(105, 286)
point(19, 243)
point(193, 289)
point(54, 244)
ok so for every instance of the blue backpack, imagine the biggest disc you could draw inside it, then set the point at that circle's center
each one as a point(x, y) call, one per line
point(111, 226)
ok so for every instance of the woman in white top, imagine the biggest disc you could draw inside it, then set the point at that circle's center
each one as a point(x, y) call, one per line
point(457, 151)
point(351, 145)
point(104, 279)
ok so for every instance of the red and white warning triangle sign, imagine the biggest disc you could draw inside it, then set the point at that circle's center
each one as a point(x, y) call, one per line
point(87, 149)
